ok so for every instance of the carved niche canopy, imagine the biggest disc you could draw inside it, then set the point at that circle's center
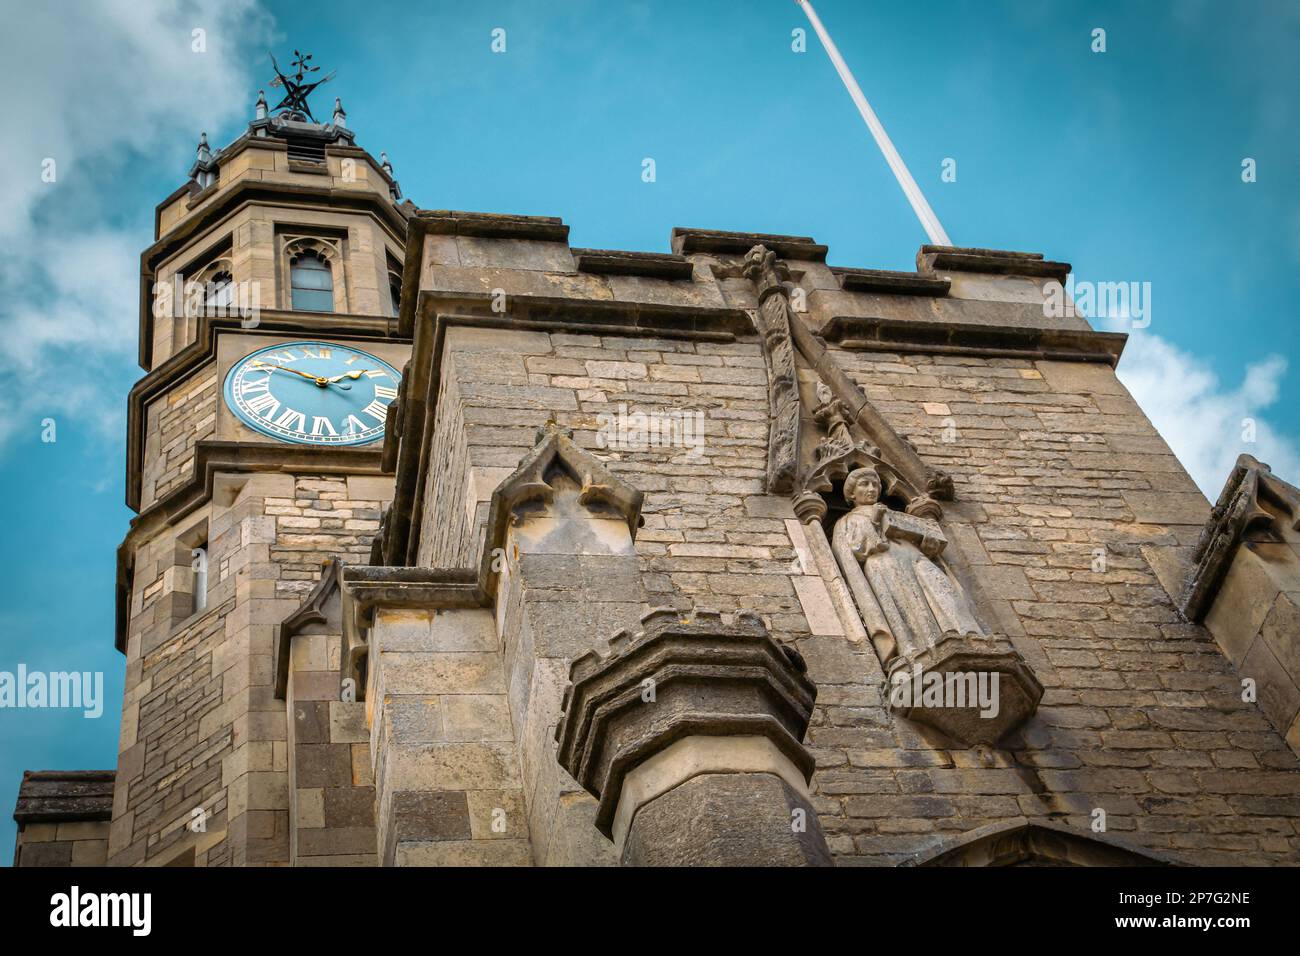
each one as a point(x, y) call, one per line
point(785, 335)
point(1248, 509)
point(838, 453)
point(556, 460)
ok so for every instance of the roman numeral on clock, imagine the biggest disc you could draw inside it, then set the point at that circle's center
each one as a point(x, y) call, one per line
point(292, 420)
point(376, 410)
point(388, 393)
point(264, 405)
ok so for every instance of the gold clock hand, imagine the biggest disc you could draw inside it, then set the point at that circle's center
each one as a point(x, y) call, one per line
point(354, 375)
point(318, 379)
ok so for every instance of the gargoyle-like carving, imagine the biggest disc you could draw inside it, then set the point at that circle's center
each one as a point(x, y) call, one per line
point(1237, 515)
point(773, 319)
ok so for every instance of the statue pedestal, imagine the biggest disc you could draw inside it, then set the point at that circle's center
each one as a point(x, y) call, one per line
point(972, 687)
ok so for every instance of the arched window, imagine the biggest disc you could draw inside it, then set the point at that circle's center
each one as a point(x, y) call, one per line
point(311, 283)
point(218, 293)
point(395, 292)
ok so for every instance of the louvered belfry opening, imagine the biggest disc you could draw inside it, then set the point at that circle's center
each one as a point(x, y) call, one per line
point(306, 149)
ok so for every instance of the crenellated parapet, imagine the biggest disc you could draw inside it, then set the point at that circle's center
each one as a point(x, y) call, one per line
point(690, 733)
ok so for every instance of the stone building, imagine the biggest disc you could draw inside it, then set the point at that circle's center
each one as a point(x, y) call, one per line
point(722, 555)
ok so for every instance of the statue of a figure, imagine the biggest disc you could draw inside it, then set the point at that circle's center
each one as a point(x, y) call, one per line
point(889, 560)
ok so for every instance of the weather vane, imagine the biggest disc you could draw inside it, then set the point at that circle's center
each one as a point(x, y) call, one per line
point(295, 90)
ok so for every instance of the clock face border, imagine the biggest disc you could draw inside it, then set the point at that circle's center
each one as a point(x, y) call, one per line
point(262, 427)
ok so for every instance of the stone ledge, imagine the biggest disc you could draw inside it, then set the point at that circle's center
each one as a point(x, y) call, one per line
point(65, 796)
point(718, 242)
point(905, 335)
point(654, 265)
point(890, 283)
point(931, 259)
point(365, 588)
point(486, 225)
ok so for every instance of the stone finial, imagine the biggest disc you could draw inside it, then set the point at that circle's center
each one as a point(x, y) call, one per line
point(203, 153)
point(260, 110)
point(340, 117)
point(384, 164)
point(689, 733)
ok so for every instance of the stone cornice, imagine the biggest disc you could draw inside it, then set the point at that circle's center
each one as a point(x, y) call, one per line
point(953, 338)
point(655, 265)
point(931, 259)
point(211, 457)
point(204, 350)
point(406, 447)
point(65, 796)
point(366, 588)
point(686, 240)
point(890, 283)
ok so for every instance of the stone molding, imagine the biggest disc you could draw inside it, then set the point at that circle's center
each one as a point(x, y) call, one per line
point(311, 611)
point(654, 265)
point(952, 338)
point(930, 259)
point(719, 242)
point(773, 319)
point(1021, 841)
point(365, 588)
point(887, 282)
point(65, 796)
point(554, 453)
point(1236, 517)
point(710, 679)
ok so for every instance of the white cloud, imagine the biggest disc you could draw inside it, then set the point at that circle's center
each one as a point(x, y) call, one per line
point(1202, 419)
point(103, 87)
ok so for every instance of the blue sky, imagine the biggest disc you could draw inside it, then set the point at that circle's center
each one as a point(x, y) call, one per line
point(1125, 163)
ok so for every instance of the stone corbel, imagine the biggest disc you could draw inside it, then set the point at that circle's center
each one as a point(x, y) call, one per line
point(773, 319)
point(1237, 517)
point(554, 456)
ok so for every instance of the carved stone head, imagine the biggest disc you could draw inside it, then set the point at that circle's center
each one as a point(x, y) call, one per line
point(862, 486)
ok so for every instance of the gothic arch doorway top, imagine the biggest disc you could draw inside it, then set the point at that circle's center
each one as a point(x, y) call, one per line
point(1021, 842)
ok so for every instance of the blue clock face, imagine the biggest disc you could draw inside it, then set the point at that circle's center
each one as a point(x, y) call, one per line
point(313, 393)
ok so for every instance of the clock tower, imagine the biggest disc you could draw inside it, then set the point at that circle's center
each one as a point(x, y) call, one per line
point(270, 347)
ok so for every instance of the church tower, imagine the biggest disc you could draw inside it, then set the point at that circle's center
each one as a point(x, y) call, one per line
point(268, 340)
point(718, 556)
